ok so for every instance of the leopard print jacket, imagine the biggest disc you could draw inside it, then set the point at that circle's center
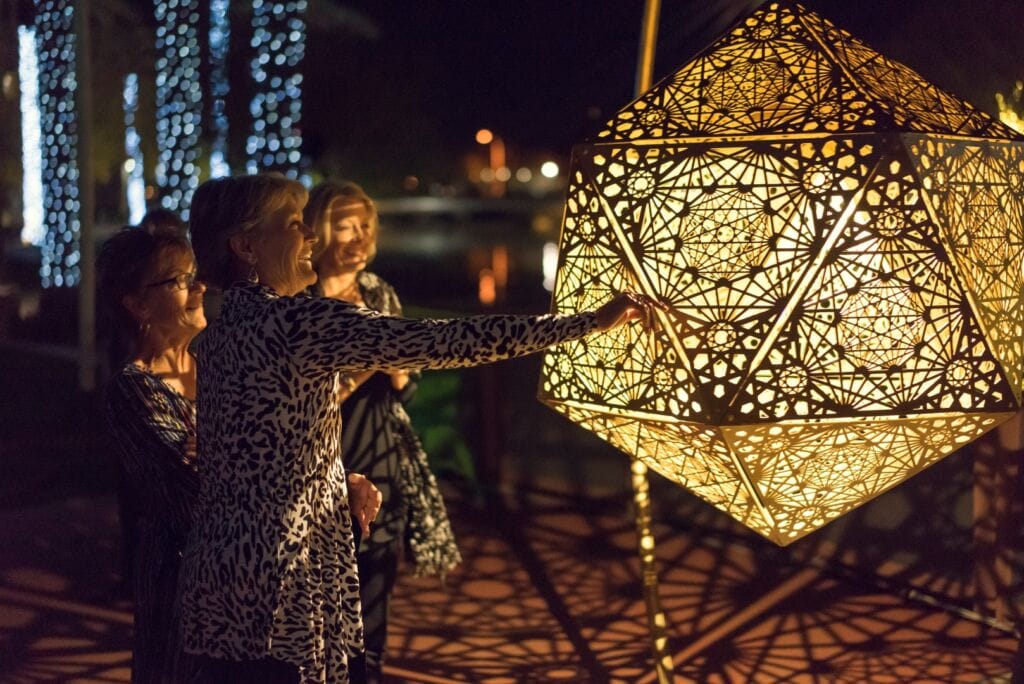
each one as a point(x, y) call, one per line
point(270, 567)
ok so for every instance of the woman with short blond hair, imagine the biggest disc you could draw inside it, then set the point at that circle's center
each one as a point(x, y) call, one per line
point(270, 590)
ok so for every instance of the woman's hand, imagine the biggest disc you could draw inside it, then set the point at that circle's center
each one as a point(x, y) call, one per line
point(399, 379)
point(350, 382)
point(628, 306)
point(364, 500)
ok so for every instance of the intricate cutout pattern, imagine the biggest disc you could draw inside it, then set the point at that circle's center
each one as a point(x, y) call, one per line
point(841, 263)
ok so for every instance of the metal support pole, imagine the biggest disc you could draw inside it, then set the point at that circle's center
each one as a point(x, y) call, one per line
point(87, 215)
point(648, 41)
point(656, 622)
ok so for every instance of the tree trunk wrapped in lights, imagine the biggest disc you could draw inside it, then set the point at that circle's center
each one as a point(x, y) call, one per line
point(841, 245)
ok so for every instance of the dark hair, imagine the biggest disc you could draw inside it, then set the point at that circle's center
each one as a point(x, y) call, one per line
point(163, 221)
point(224, 207)
point(320, 199)
point(124, 261)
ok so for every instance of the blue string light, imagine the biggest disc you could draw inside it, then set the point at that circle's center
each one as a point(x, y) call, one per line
point(136, 184)
point(55, 46)
point(220, 36)
point(279, 43)
point(32, 230)
point(178, 101)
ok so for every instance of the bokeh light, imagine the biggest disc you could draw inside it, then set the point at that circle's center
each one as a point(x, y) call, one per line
point(549, 169)
point(31, 153)
point(179, 101)
point(279, 45)
point(220, 39)
point(135, 185)
point(55, 46)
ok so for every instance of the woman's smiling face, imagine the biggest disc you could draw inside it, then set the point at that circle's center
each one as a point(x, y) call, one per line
point(350, 237)
point(283, 248)
point(171, 298)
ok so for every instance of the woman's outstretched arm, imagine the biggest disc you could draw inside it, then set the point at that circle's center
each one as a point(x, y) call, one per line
point(329, 335)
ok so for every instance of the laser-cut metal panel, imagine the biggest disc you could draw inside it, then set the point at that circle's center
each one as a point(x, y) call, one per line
point(976, 190)
point(843, 268)
point(786, 70)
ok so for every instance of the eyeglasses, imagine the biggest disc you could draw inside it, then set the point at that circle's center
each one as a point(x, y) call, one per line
point(184, 281)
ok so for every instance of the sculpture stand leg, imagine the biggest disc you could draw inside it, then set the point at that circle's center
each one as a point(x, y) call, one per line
point(641, 488)
point(655, 616)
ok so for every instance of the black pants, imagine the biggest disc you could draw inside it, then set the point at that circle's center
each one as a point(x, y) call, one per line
point(263, 671)
point(378, 568)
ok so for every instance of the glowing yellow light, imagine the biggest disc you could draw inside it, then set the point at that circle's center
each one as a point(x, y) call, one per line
point(502, 173)
point(841, 245)
point(1011, 109)
point(523, 174)
point(488, 288)
point(484, 136)
point(549, 169)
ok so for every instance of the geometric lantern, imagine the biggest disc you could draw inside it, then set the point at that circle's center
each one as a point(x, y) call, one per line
point(841, 247)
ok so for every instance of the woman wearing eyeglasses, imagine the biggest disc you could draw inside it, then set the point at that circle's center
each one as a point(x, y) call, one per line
point(147, 282)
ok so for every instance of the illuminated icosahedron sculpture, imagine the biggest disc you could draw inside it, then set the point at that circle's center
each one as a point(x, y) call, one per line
point(841, 245)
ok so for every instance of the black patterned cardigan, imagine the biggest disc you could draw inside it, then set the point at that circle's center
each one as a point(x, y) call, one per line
point(150, 423)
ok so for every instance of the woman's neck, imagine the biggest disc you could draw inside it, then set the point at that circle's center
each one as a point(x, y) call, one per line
point(171, 361)
point(343, 286)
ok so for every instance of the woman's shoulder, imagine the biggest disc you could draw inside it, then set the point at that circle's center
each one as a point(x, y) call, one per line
point(378, 293)
point(128, 377)
point(130, 391)
point(257, 323)
point(372, 281)
point(249, 307)
point(132, 381)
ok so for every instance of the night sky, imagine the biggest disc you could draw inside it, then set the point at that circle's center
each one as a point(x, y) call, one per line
point(406, 84)
point(397, 87)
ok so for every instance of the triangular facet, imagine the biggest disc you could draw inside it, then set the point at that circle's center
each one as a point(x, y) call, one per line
point(808, 474)
point(884, 326)
point(976, 190)
point(787, 70)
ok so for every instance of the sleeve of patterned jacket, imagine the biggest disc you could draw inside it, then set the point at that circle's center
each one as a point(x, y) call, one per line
point(329, 335)
point(393, 307)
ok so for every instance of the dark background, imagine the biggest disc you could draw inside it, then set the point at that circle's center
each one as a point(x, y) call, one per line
point(396, 88)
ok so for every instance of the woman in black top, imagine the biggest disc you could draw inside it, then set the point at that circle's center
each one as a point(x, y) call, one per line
point(378, 438)
point(148, 284)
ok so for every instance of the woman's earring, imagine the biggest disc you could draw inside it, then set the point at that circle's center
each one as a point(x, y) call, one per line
point(253, 278)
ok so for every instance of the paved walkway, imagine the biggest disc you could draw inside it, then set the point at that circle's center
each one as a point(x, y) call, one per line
point(550, 591)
